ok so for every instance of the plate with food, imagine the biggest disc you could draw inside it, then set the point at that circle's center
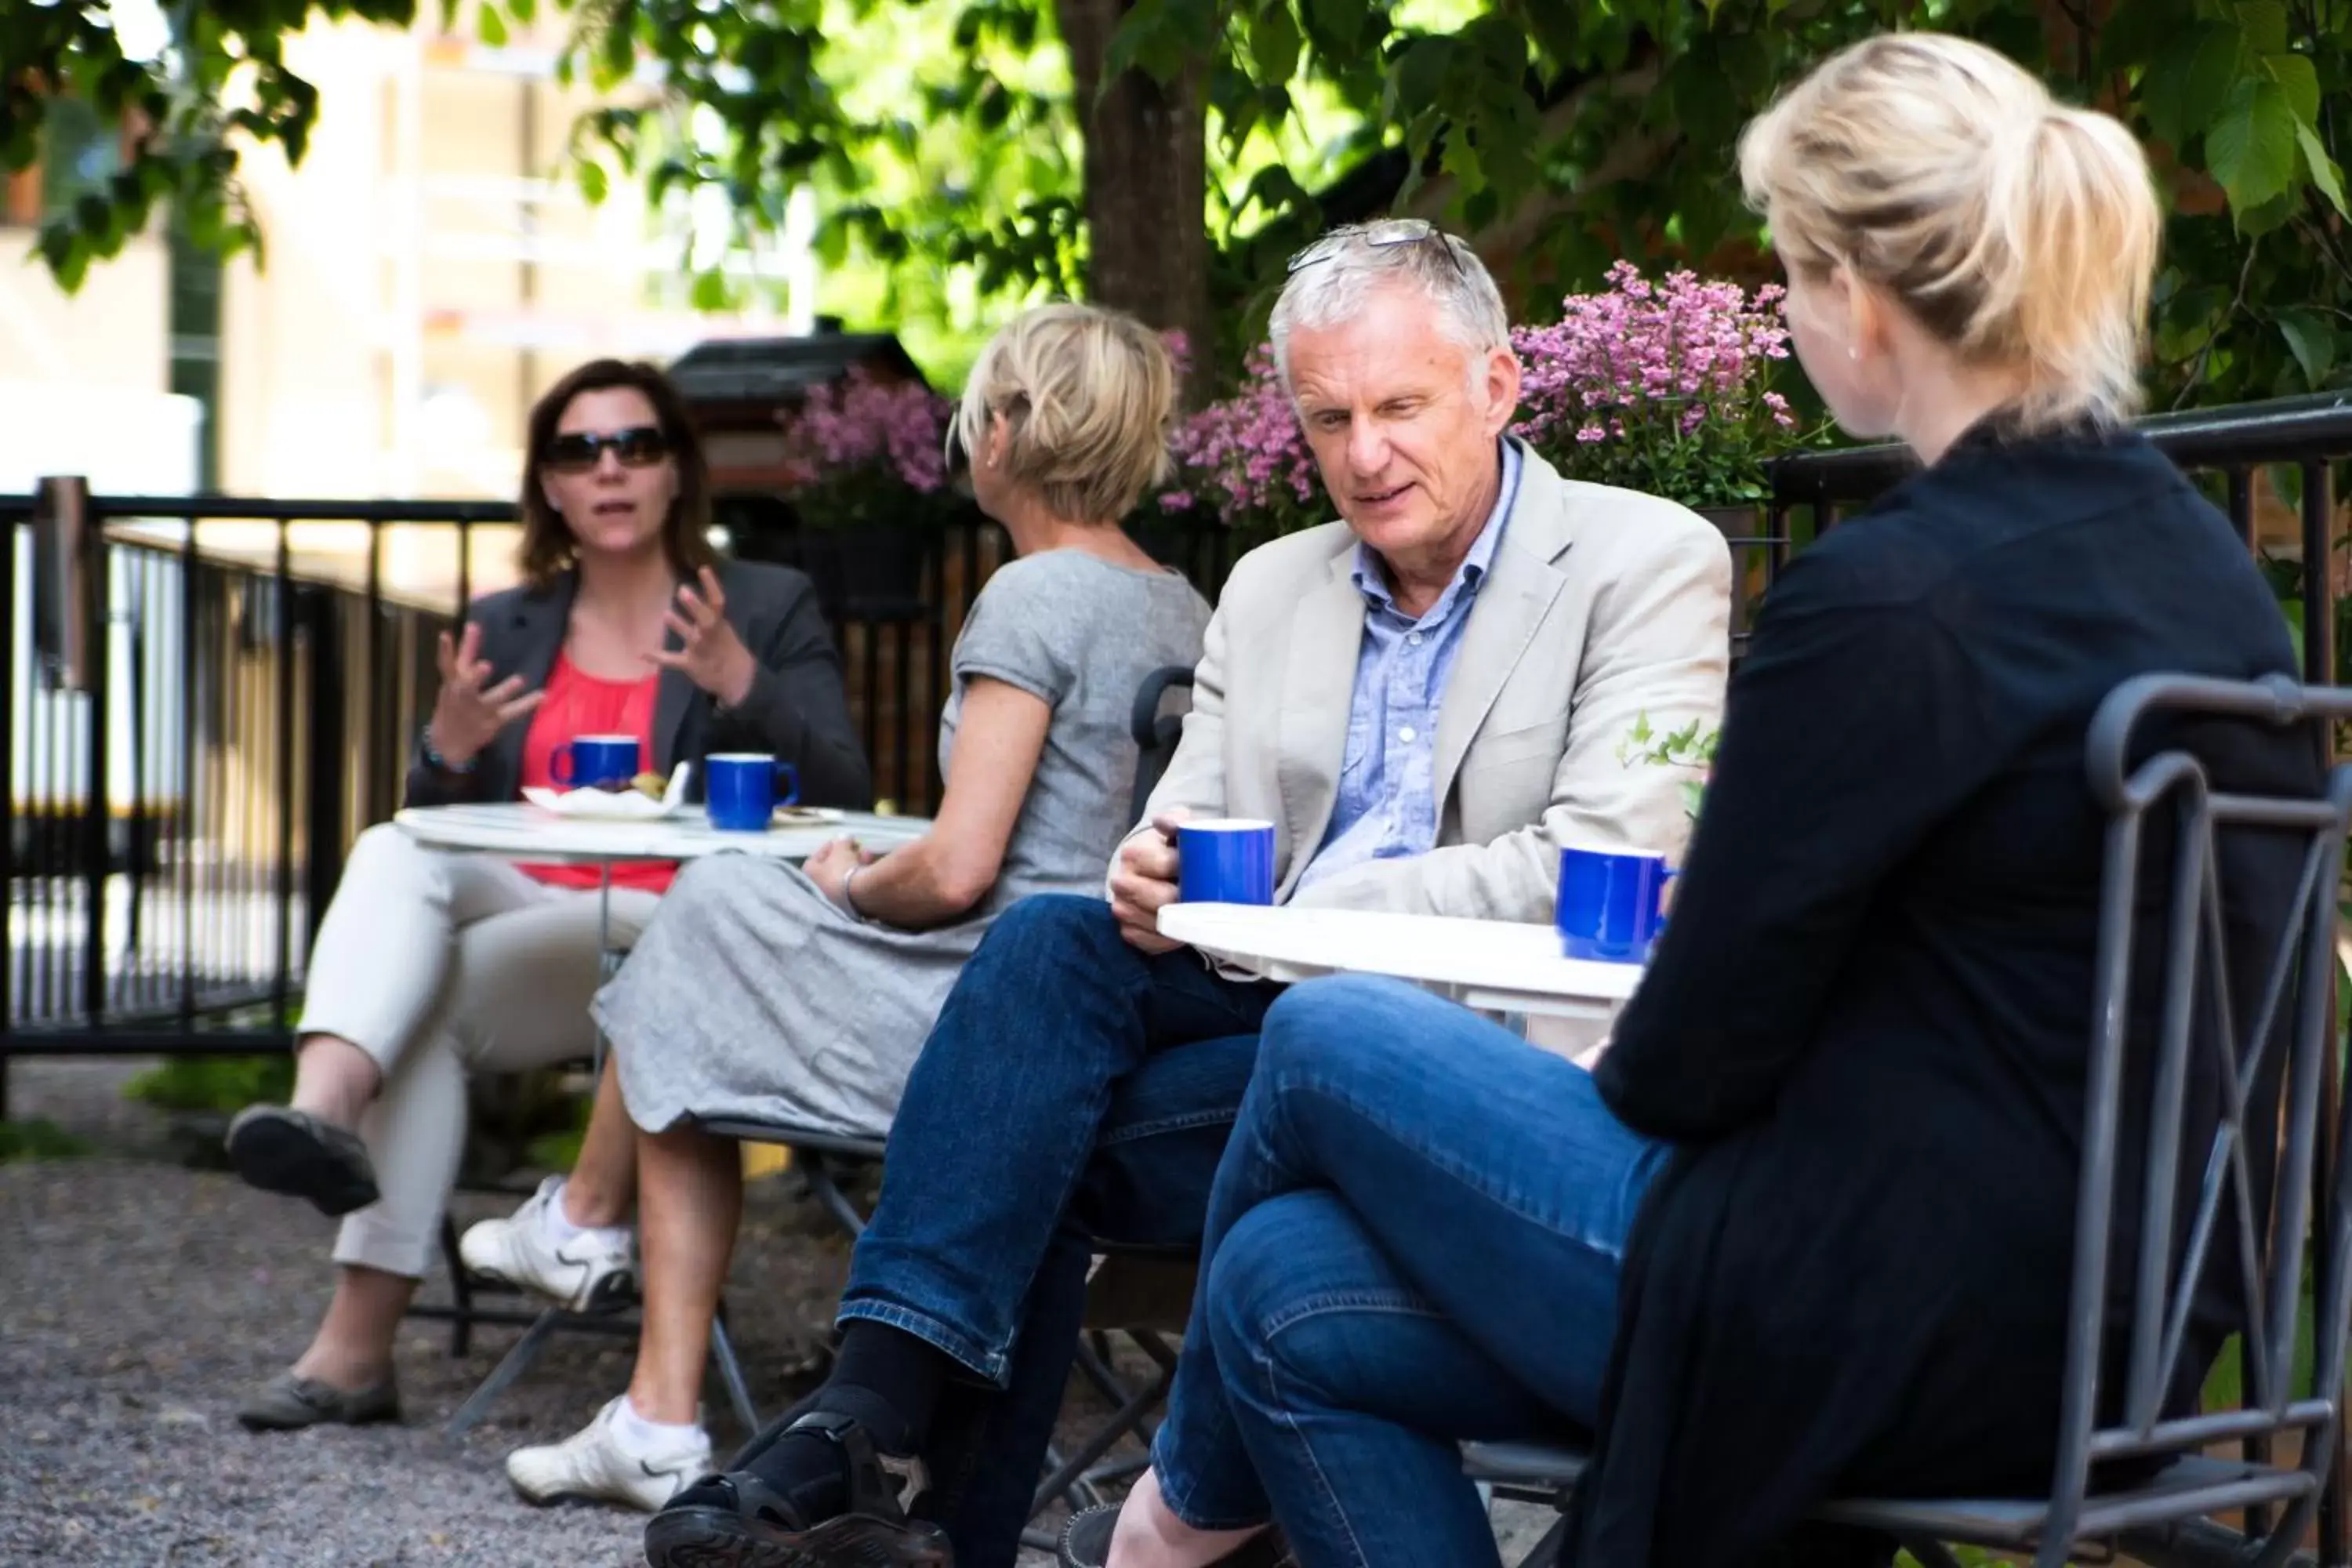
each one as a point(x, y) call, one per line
point(804, 816)
point(648, 798)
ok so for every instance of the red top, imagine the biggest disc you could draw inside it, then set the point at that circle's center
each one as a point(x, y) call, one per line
point(579, 704)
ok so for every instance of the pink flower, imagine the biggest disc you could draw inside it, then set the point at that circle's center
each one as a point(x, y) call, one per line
point(861, 426)
point(1662, 385)
point(1245, 459)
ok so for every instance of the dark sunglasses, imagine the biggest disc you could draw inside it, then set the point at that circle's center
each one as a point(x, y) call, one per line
point(1380, 237)
point(638, 446)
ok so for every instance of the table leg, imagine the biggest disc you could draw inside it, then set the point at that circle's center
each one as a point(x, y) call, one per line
point(608, 963)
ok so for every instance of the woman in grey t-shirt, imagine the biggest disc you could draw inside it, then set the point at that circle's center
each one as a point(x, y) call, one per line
point(804, 995)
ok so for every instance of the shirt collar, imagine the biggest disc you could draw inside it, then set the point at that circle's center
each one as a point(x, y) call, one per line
point(1372, 583)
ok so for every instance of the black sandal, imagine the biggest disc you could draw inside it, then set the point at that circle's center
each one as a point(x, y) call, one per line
point(281, 1150)
point(738, 1520)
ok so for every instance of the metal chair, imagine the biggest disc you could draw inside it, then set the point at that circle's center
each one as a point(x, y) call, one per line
point(2168, 1519)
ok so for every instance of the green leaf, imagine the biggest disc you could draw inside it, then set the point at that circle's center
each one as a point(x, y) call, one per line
point(2311, 338)
point(2265, 22)
point(491, 26)
point(593, 184)
point(711, 290)
point(2189, 81)
point(2250, 148)
point(2323, 171)
point(1274, 44)
point(2296, 74)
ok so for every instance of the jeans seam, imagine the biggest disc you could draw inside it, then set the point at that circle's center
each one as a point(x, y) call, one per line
point(1385, 1303)
point(1261, 1352)
point(1135, 1132)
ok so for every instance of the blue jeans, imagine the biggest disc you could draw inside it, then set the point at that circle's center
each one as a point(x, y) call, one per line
point(1072, 1090)
point(1415, 1239)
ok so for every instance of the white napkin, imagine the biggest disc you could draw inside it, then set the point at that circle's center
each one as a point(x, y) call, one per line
point(607, 805)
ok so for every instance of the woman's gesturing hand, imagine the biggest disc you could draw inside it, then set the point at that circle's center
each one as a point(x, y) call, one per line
point(468, 713)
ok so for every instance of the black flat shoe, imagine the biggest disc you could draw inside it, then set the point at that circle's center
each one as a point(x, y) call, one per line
point(738, 1520)
point(1086, 1543)
point(281, 1150)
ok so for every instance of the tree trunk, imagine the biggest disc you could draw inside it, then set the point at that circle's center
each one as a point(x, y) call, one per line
point(1145, 175)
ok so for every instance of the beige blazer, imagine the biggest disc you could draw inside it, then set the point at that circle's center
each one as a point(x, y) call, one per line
point(1601, 605)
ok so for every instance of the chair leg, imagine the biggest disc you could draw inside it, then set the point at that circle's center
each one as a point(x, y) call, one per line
point(731, 1371)
point(816, 1170)
point(1546, 1551)
point(526, 1350)
point(1104, 1439)
point(461, 1292)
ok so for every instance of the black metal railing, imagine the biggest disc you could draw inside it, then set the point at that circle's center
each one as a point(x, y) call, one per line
point(205, 703)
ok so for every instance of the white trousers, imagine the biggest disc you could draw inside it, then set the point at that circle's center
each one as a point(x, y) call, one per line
point(438, 964)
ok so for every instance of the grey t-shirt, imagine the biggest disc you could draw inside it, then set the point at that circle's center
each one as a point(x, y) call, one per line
point(1080, 634)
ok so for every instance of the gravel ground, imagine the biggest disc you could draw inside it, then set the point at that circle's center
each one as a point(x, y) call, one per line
point(139, 1301)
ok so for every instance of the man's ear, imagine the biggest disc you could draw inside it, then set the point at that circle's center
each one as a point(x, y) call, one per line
point(1502, 388)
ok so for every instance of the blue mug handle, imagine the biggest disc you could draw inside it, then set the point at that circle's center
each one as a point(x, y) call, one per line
point(788, 786)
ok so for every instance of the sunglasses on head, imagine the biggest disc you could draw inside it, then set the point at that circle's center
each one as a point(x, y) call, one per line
point(1380, 237)
point(638, 446)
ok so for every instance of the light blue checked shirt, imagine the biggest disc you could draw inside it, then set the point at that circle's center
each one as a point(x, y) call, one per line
point(1388, 797)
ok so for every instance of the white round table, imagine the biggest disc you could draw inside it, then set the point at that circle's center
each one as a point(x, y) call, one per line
point(1494, 966)
point(517, 830)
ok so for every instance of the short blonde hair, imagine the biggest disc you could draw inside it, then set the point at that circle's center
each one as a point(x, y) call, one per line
point(1088, 397)
point(2016, 229)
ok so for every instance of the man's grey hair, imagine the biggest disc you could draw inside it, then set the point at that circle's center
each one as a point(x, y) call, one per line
point(1330, 279)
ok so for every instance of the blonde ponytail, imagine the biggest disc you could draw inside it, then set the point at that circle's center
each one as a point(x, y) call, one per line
point(2016, 230)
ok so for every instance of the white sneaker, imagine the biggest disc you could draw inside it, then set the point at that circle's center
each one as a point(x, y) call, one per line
point(593, 1464)
point(590, 1271)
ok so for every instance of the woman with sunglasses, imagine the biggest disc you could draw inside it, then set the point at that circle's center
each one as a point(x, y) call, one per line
point(430, 965)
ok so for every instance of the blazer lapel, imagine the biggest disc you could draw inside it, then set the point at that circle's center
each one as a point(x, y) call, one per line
point(1318, 689)
point(1510, 607)
point(530, 641)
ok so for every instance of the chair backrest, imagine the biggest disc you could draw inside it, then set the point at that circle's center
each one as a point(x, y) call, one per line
point(2273, 1070)
point(1156, 732)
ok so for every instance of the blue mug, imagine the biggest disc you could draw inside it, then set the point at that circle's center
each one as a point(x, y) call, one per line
point(595, 761)
point(1609, 903)
point(1225, 860)
point(742, 789)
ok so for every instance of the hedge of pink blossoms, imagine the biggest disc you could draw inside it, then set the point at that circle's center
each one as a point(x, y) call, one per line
point(859, 436)
point(1664, 387)
point(1245, 459)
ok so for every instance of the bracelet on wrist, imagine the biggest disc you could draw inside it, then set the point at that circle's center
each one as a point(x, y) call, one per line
point(847, 901)
point(439, 764)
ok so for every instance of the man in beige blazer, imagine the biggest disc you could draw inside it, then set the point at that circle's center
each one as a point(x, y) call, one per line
point(1426, 698)
point(1603, 605)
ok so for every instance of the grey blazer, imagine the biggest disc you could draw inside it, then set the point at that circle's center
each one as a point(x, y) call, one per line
point(796, 708)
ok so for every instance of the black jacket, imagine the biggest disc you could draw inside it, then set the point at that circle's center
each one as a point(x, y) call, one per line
point(1869, 1019)
point(796, 708)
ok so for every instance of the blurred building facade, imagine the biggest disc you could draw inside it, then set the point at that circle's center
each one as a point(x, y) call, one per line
point(431, 266)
